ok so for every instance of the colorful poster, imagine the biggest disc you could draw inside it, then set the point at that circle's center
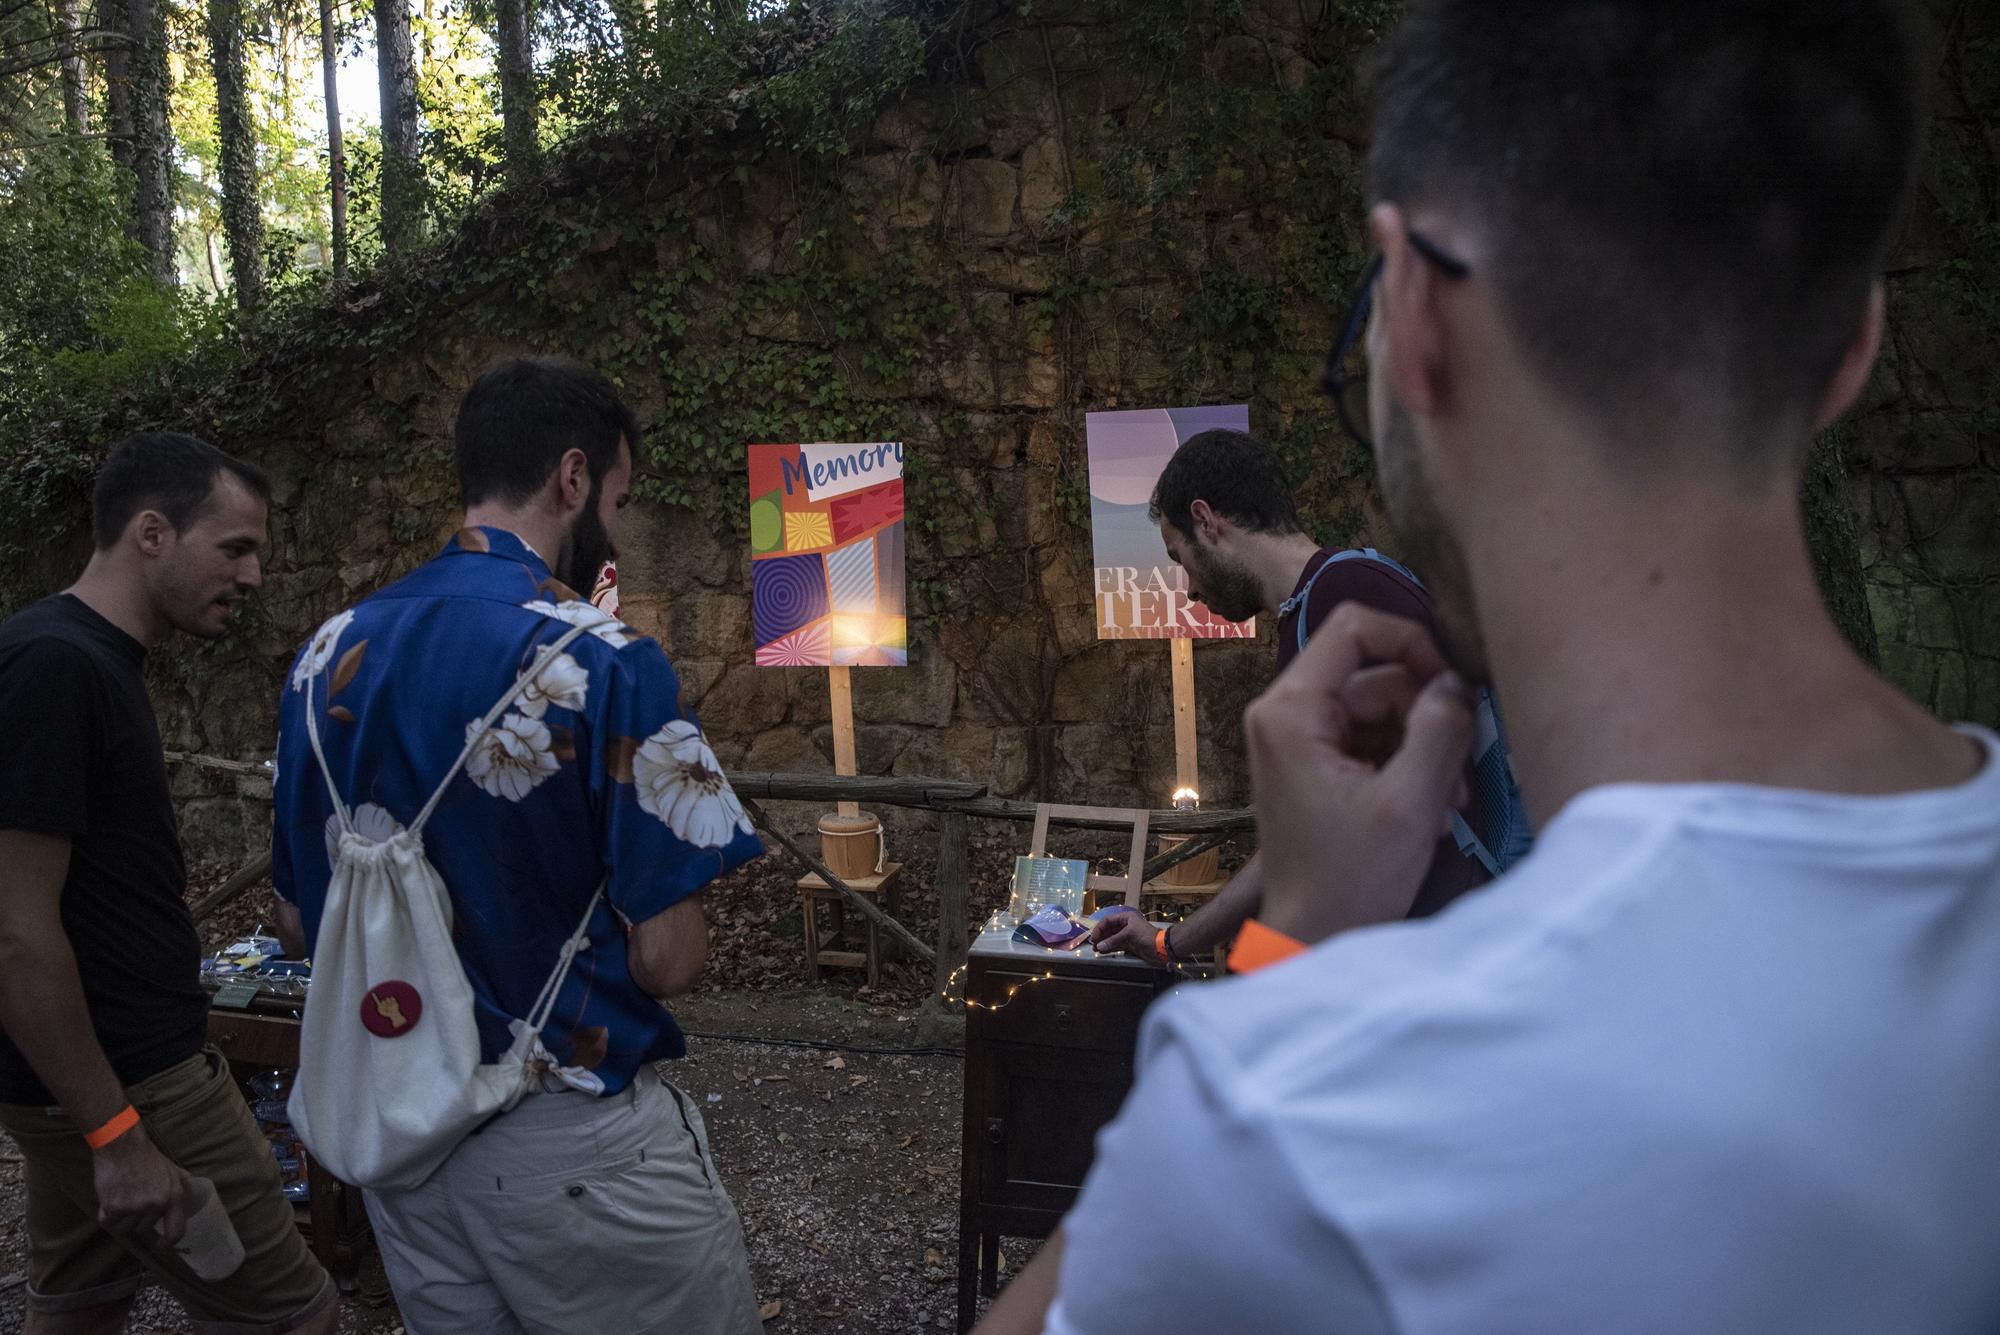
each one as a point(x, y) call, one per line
point(826, 555)
point(1141, 593)
point(605, 595)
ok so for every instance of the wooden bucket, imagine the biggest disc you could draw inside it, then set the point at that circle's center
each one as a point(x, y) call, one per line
point(851, 846)
point(1201, 869)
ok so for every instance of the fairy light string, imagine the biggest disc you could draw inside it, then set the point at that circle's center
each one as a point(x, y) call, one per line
point(954, 983)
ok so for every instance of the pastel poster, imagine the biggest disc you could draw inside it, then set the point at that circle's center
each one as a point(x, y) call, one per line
point(1140, 593)
point(826, 555)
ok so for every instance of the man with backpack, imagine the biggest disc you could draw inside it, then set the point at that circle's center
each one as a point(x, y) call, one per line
point(1722, 1053)
point(1225, 511)
point(107, 1083)
point(493, 822)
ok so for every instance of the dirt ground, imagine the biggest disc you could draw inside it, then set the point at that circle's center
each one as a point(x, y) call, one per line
point(844, 1164)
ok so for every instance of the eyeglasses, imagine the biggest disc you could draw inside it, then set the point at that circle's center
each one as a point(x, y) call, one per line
point(1349, 389)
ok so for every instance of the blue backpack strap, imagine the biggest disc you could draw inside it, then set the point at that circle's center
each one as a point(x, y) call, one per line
point(1297, 602)
point(1493, 777)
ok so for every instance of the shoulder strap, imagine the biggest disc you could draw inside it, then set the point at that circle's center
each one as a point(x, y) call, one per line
point(521, 683)
point(1297, 602)
point(1468, 841)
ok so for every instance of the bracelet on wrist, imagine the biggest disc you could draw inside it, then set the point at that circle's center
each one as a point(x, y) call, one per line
point(120, 1123)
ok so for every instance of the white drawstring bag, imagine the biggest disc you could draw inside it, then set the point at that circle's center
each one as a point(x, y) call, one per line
point(389, 1073)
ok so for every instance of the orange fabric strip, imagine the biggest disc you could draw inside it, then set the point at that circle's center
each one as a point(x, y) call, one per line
point(1258, 947)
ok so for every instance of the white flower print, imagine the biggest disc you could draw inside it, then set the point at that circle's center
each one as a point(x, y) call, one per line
point(564, 683)
point(579, 613)
point(320, 652)
point(512, 757)
point(371, 822)
point(553, 1076)
point(680, 782)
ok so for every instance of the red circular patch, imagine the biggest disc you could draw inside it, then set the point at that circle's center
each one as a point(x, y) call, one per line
point(391, 1010)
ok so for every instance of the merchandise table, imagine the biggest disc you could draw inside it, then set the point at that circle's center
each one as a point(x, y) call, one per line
point(1043, 1073)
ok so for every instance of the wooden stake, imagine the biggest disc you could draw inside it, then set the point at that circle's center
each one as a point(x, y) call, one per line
point(954, 857)
point(842, 687)
point(1186, 772)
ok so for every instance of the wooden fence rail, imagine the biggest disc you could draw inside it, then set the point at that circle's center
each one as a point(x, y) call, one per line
point(955, 801)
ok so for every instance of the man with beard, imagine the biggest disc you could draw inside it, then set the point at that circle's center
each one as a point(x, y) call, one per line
point(1224, 507)
point(593, 1204)
point(106, 1083)
point(1721, 1054)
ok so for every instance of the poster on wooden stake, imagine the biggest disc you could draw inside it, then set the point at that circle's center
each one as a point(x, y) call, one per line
point(827, 539)
point(1140, 593)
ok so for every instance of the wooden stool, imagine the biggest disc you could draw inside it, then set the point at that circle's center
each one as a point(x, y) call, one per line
point(881, 889)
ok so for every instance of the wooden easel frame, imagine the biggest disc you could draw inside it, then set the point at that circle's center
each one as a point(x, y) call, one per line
point(1138, 818)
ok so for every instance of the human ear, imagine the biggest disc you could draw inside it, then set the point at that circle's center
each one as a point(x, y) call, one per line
point(1856, 362)
point(1207, 524)
point(151, 531)
point(573, 481)
point(1407, 299)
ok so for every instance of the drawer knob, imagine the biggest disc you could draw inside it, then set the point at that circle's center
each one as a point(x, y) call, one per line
point(1062, 1010)
point(996, 1130)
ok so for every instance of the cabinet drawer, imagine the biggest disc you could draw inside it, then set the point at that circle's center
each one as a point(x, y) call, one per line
point(252, 1041)
point(1098, 1014)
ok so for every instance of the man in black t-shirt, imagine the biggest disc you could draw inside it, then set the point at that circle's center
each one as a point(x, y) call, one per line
point(105, 1082)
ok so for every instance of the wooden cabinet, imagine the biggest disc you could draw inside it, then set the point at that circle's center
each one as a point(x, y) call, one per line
point(1043, 1073)
point(266, 1037)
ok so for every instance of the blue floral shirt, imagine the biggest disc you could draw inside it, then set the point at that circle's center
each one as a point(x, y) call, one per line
point(594, 775)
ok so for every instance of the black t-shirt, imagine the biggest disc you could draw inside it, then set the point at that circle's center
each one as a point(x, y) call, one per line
point(81, 756)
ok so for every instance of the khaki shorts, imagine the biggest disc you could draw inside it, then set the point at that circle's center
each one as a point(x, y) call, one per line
point(193, 1112)
point(573, 1215)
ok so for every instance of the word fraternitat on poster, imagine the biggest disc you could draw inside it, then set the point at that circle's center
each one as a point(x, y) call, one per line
point(827, 542)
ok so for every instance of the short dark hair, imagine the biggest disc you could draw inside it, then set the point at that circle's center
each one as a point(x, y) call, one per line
point(1689, 195)
point(523, 414)
point(1237, 474)
point(166, 471)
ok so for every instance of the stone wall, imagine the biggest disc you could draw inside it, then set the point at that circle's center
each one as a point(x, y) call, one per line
point(1081, 245)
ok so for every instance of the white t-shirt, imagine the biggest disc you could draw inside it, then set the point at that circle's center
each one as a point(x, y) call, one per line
point(1714, 1058)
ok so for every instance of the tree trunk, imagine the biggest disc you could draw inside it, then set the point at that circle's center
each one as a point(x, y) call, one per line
point(242, 210)
point(117, 81)
point(152, 141)
point(336, 158)
point(517, 87)
point(76, 103)
point(402, 167)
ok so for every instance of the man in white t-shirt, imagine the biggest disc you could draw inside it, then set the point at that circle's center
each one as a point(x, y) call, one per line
point(1723, 1054)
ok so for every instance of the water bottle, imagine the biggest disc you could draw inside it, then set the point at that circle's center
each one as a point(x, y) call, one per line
point(210, 1246)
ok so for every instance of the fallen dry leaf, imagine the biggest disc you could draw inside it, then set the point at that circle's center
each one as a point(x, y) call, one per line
point(770, 1309)
point(932, 1256)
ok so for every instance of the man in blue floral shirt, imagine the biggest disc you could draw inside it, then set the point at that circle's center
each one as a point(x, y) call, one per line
point(592, 1206)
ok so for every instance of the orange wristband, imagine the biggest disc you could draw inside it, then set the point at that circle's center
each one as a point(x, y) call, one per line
point(1160, 947)
point(111, 1130)
point(1258, 947)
